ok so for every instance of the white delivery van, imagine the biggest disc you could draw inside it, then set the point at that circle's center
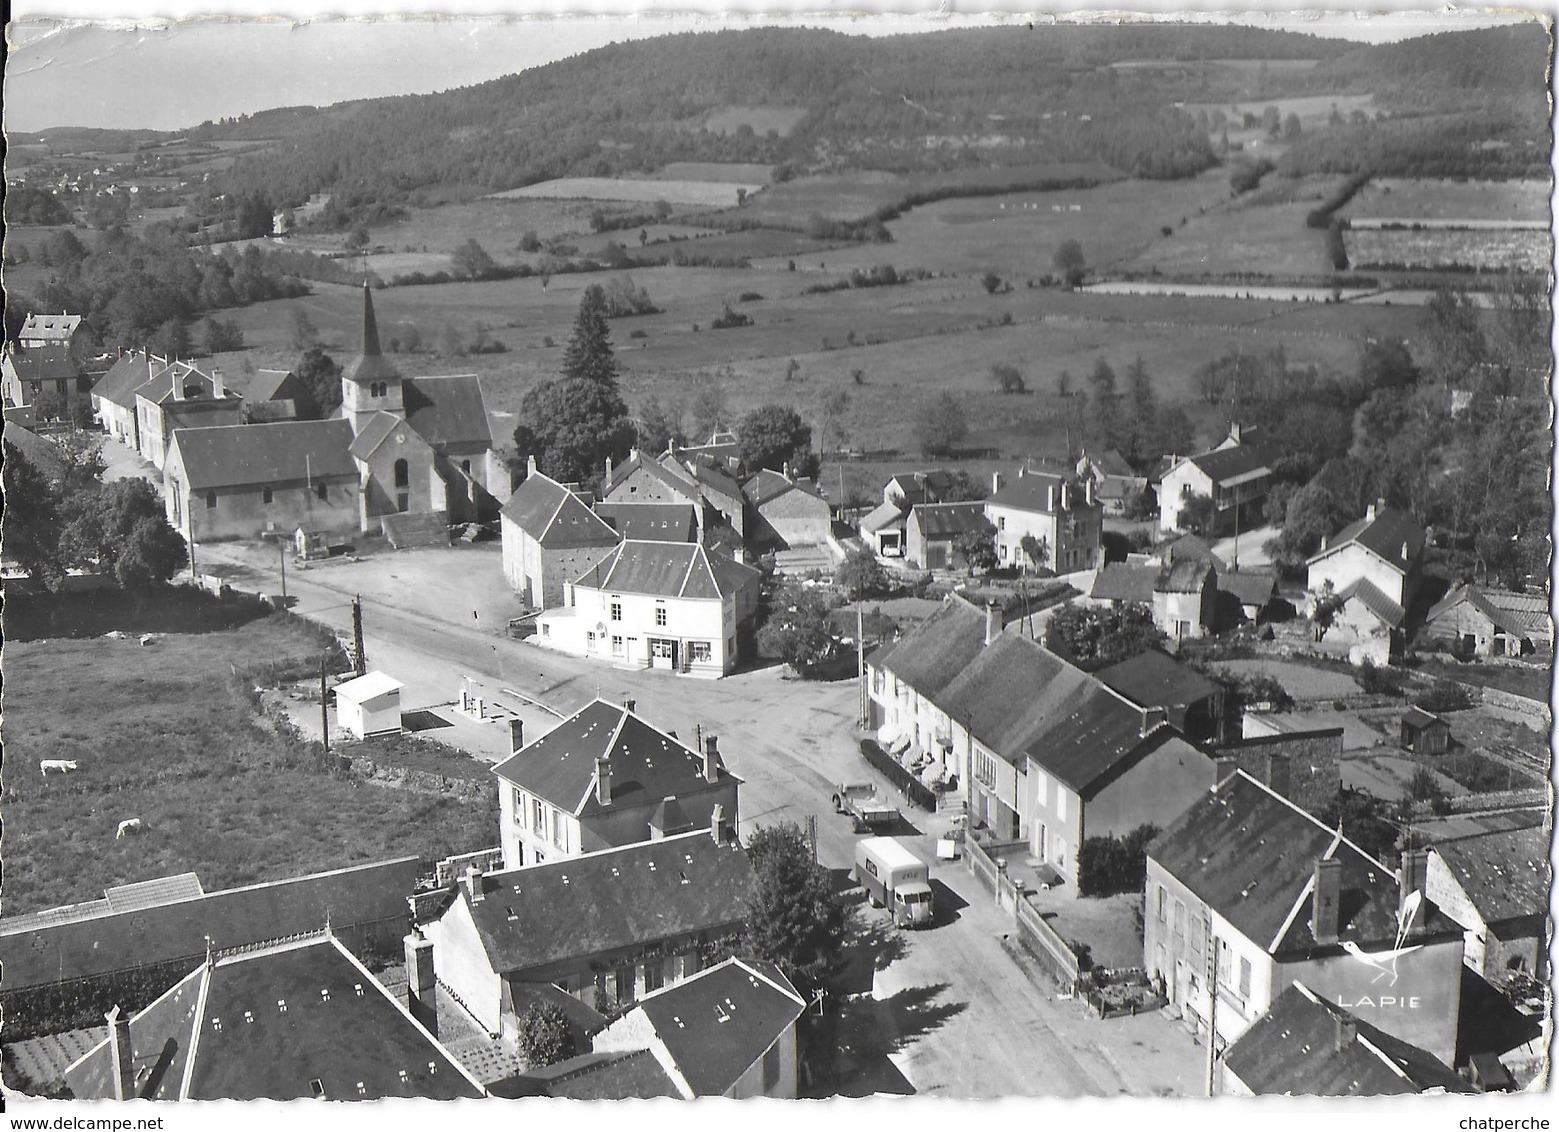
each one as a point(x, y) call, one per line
point(894, 876)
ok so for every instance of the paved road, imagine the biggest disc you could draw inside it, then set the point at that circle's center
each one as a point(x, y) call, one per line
point(952, 1013)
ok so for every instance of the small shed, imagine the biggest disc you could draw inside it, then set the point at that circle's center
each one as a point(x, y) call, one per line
point(370, 705)
point(1425, 733)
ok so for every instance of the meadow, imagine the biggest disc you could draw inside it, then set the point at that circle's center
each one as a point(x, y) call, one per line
point(642, 190)
point(1449, 249)
point(165, 734)
point(1445, 199)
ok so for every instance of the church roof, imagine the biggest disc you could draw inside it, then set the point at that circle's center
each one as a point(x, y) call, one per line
point(370, 364)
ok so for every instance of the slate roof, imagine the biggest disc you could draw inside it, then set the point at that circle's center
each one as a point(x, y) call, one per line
point(1307, 1046)
point(370, 364)
point(448, 412)
point(768, 485)
point(281, 453)
point(668, 569)
point(1524, 615)
point(718, 1023)
point(1184, 576)
point(229, 1038)
point(1194, 547)
point(59, 327)
point(1096, 741)
point(712, 478)
point(606, 1076)
point(881, 516)
point(44, 455)
point(1155, 679)
point(1125, 581)
point(1505, 874)
point(1250, 587)
point(43, 363)
point(555, 516)
point(918, 487)
point(660, 522)
point(1030, 492)
point(266, 385)
point(947, 520)
point(930, 656)
point(647, 764)
point(160, 387)
point(569, 910)
point(1011, 690)
point(378, 428)
point(1384, 536)
point(125, 376)
point(1228, 466)
point(1250, 854)
point(672, 474)
point(1378, 603)
point(46, 946)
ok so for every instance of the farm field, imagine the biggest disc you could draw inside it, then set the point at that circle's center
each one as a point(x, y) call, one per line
point(647, 190)
point(733, 172)
point(1443, 199)
point(167, 736)
point(1448, 249)
point(496, 224)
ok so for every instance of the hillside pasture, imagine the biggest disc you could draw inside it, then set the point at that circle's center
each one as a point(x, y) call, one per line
point(1449, 249)
point(645, 190)
point(166, 735)
point(497, 224)
point(1444, 199)
point(733, 172)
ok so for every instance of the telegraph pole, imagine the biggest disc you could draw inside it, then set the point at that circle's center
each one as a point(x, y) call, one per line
point(1211, 970)
point(860, 663)
point(359, 659)
point(281, 551)
point(324, 711)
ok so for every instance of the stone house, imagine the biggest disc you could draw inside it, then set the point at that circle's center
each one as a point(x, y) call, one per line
point(550, 537)
point(1059, 511)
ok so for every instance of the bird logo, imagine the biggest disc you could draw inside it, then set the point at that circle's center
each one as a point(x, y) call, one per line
point(1384, 963)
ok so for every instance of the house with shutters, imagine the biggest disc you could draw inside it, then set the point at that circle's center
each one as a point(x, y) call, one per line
point(1061, 512)
point(303, 1020)
point(1182, 595)
point(604, 778)
point(1247, 893)
point(550, 537)
point(906, 677)
point(606, 928)
point(113, 394)
point(669, 605)
point(181, 397)
point(1235, 476)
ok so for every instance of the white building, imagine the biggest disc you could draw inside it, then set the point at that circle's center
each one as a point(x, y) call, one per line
point(1385, 548)
point(1057, 511)
point(1235, 476)
point(370, 705)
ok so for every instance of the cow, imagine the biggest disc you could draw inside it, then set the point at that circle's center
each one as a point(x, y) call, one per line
point(64, 766)
point(129, 825)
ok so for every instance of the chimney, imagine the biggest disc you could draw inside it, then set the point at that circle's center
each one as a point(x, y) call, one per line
point(1066, 496)
point(711, 757)
point(1373, 510)
point(474, 887)
point(1347, 1030)
point(995, 482)
point(1050, 497)
point(121, 1056)
point(1410, 879)
point(786, 472)
point(1223, 767)
point(717, 824)
point(218, 386)
point(530, 465)
point(516, 735)
point(671, 446)
point(1151, 718)
point(608, 467)
point(629, 704)
point(1404, 552)
point(177, 381)
point(1234, 431)
point(421, 987)
point(603, 781)
point(1326, 901)
point(1088, 491)
point(1279, 778)
point(992, 621)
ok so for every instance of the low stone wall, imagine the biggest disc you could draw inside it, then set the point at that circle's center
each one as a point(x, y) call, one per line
point(1533, 711)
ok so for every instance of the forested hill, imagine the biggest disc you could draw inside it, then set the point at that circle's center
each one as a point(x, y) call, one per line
point(1012, 95)
point(1499, 62)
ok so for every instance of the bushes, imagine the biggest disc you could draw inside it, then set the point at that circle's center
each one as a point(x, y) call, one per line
point(1380, 681)
point(1110, 865)
point(729, 319)
point(1443, 696)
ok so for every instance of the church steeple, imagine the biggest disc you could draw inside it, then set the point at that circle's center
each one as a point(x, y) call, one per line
point(369, 383)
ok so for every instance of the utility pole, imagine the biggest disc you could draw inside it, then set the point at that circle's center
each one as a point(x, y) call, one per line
point(281, 550)
point(860, 663)
point(1210, 942)
point(358, 656)
point(324, 711)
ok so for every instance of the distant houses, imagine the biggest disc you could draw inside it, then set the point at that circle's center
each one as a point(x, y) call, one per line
point(1234, 476)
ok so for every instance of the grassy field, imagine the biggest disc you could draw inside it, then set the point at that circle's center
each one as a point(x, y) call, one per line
point(1501, 250)
point(646, 190)
point(1441, 199)
point(163, 734)
point(733, 172)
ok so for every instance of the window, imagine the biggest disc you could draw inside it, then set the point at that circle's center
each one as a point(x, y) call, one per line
point(1061, 802)
point(211, 501)
point(654, 976)
point(320, 490)
point(1161, 903)
point(519, 806)
point(660, 616)
point(985, 768)
point(1001, 523)
point(701, 651)
point(590, 638)
point(560, 832)
point(617, 611)
point(402, 474)
point(1244, 978)
point(546, 629)
point(538, 814)
point(617, 646)
point(1179, 918)
point(771, 1067)
point(269, 498)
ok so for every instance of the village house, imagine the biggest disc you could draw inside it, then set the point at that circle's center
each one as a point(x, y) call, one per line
point(1307, 1046)
point(1182, 595)
point(1057, 511)
point(1304, 765)
point(304, 1020)
point(932, 529)
point(48, 331)
point(1249, 893)
point(181, 397)
point(1496, 884)
point(787, 513)
point(1380, 555)
point(273, 395)
point(1482, 621)
point(908, 676)
point(670, 605)
point(728, 1031)
point(883, 529)
point(113, 394)
point(27, 374)
point(240, 481)
point(605, 778)
point(651, 522)
point(550, 537)
point(644, 479)
point(1192, 704)
point(1115, 482)
point(1235, 476)
point(606, 928)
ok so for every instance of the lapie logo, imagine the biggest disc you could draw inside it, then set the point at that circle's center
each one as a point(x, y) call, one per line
point(1384, 963)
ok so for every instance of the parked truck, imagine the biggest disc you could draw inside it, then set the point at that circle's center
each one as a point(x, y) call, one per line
point(894, 876)
point(867, 812)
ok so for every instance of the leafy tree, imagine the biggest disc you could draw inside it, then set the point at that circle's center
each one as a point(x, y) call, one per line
point(1272, 120)
point(991, 282)
point(774, 436)
point(1069, 261)
point(1198, 514)
point(30, 520)
point(321, 376)
point(544, 1036)
point(171, 339)
point(1291, 128)
point(222, 336)
point(964, 488)
point(659, 425)
point(1366, 821)
point(1144, 411)
point(1106, 403)
point(120, 529)
point(833, 406)
point(1008, 378)
point(471, 261)
point(1064, 383)
point(941, 425)
point(530, 242)
point(1384, 363)
point(48, 405)
point(149, 554)
point(357, 239)
point(1036, 550)
point(1107, 866)
point(304, 332)
point(1142, 505)
point(1094, 637)
point(793, 918)
point(707, 409)
point(977, 547)
point(796, 630)
point(254, 216)
point(861, 575)
point(572, 425)
point(589, 355)
point(1318, 510)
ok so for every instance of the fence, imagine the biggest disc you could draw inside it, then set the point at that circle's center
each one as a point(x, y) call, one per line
point(1042, 941)
point(451, 869)
point(914, 790)
point(1533, 710)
